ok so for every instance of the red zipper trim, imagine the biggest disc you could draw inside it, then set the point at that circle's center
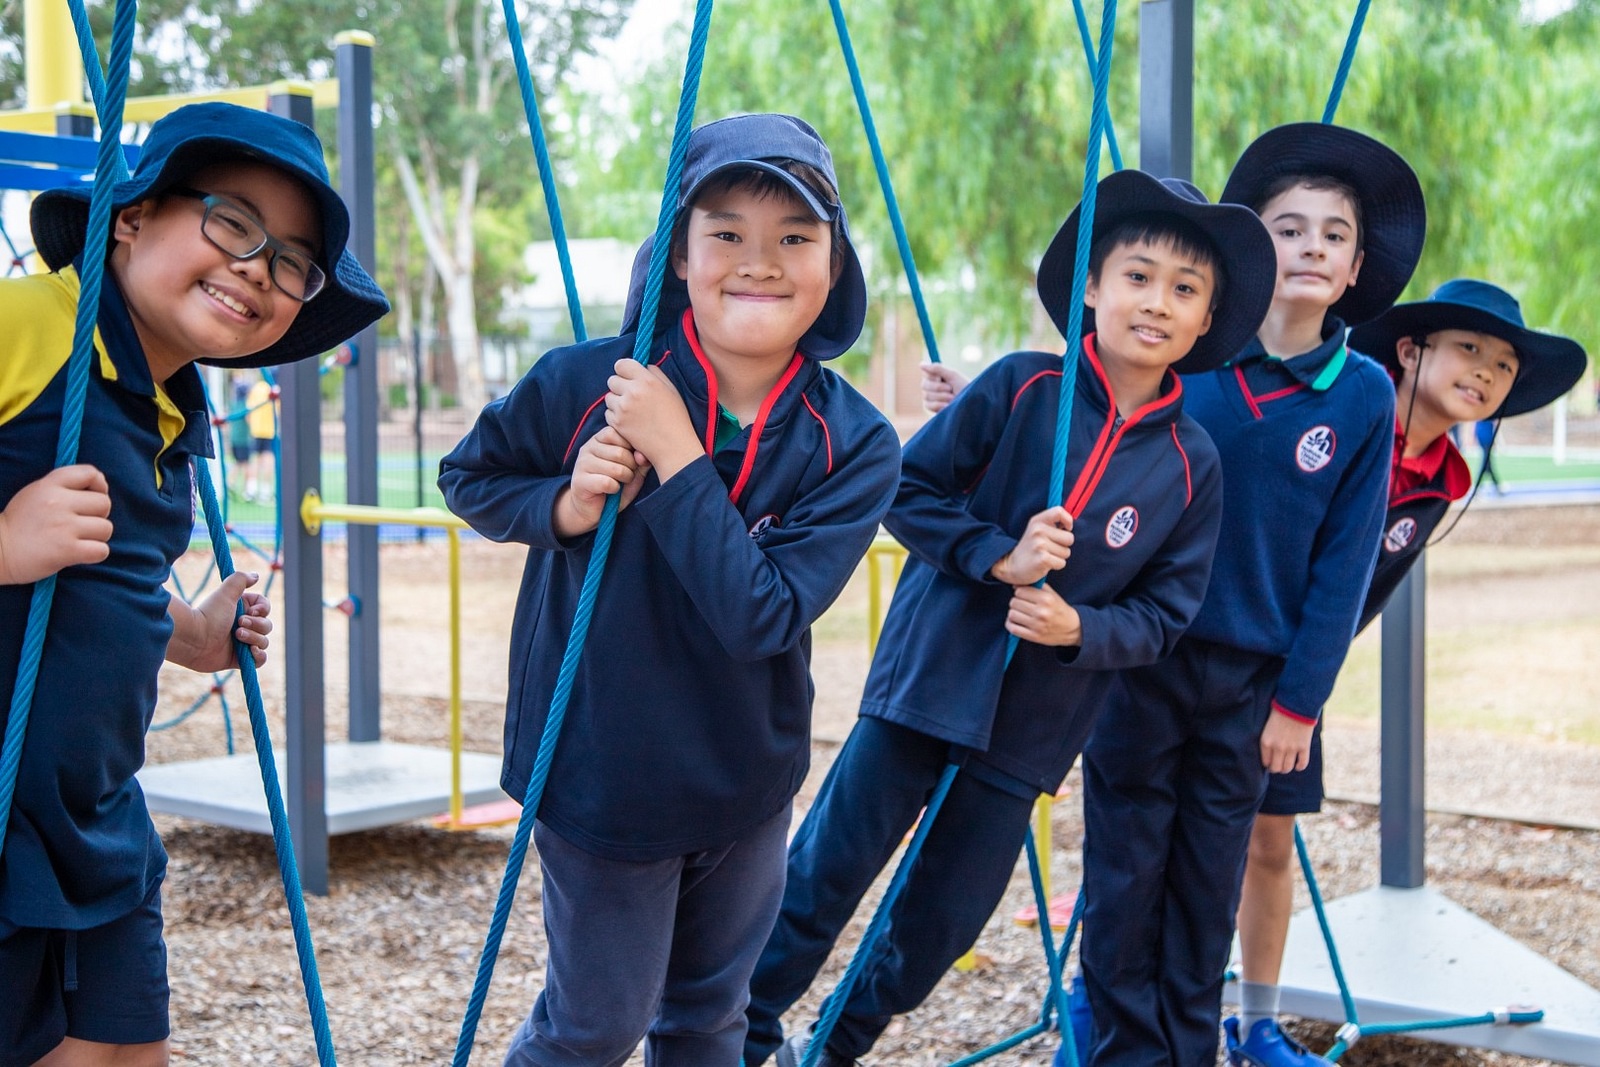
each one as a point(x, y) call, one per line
point(762, 414)
point(1100, 457)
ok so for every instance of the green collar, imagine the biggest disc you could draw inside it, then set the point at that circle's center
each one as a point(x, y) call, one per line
point(1330, 373)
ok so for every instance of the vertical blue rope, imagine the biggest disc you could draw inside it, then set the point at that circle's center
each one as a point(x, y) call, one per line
point(282, 840)
point(115, 169)
point(541, 152)
point(1094, 74)
point(882, 166)
point(1080, 272)
point(109, 161)
point(598, 554)
point(834, 1005)
point(1345, 60)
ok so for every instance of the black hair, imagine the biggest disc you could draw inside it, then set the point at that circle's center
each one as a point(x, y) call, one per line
point(1322, 183)
point(1161, 228)
point(761, 184)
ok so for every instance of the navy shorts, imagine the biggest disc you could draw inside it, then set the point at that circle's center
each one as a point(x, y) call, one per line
point(107, 984)
point(1297, 792)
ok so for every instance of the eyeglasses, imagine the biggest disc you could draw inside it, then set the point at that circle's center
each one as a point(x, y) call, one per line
point(240, 234)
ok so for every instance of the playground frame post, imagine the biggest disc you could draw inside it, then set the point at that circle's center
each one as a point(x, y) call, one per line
point(1401, 816)
point(357, 180)
point(305, 792)
point(1166, 88)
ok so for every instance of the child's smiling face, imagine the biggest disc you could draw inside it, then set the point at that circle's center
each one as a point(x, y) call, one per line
point(758, 268)
point(188, 298)
point(1315, 234)
point(1151, 302)
point(1457, 375)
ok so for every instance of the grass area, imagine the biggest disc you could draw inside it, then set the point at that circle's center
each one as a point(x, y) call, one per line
point(1516, 468)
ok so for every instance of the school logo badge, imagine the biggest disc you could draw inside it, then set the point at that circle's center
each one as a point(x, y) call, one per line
point(1123, 525)
point(763, 524)
point(1400, 535)
point(1315, 449)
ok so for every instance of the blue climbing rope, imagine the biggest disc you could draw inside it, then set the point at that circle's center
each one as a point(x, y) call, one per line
point(834, 1005)
point(1345, 60)
point(598, 554)
point(541, 151)
point(282, 840)
point(1353, 1029)
point(1085, 39)
point(889, 199)
point(108, 162)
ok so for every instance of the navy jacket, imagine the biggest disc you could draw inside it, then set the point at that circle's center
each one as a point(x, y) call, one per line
point(1305, 446)
point(689, 719)
point(1412, 517)
point(1145, 495)
point(80, 849)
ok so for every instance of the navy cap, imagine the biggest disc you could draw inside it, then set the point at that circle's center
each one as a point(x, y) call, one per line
point(1547, 364)
point(762, 142)
point(1394, 215)
point(200, 135)
point(1243, 246)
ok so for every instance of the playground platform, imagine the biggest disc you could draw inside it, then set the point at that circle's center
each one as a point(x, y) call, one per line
point(369, 784)
point(1413, 954)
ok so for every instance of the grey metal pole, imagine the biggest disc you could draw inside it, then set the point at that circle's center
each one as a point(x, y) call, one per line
point(1401, 815)
point(357, 184)
point(300, 433)
point(1166, 88)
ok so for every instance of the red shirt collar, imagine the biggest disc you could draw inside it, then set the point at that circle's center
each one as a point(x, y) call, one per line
point(1409, 474)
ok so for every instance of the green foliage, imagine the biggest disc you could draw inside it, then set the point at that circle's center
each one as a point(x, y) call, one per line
point(983, 111)
point(982, 106)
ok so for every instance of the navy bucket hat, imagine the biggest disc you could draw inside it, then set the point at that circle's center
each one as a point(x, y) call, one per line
point(1243, 246)
point(1394, 215)
point(762, 142)
point(1548, 365)
point(198, 136)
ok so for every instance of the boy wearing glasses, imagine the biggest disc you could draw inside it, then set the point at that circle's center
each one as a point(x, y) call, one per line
point(227, 245)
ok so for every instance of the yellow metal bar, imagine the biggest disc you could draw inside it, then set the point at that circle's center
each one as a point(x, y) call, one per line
point(41, 118)
point(313, 513)
point(1041, 841)
point(53, 65)
point(882, 548)
point(456, 805)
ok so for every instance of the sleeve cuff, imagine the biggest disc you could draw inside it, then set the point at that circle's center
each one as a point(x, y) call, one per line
point(1309, 720)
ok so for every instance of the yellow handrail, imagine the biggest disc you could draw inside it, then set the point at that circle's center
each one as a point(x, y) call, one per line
point(313, 513)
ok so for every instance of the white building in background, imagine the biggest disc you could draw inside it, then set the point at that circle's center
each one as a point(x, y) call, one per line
point(600, 266)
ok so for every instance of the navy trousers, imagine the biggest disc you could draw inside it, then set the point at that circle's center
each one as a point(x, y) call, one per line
point(883, 776)
point(659, 951)
point(1172, 780)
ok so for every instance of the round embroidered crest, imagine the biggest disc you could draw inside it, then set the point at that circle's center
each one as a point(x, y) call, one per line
point(1123, 525)
point(1400, 535)
point(763, 524)
point(1315, 449)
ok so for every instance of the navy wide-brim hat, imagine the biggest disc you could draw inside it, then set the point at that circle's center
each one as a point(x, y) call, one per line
point(200, 135)
point(1394, 215)
point(1547, 364)
point(761, 142)
point(1243, 246)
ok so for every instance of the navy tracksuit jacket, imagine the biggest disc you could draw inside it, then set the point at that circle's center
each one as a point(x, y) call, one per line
point(1145, 496)
point(80, 849)
point(689, 720)
point(1173, 775)
point(1412, 517)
